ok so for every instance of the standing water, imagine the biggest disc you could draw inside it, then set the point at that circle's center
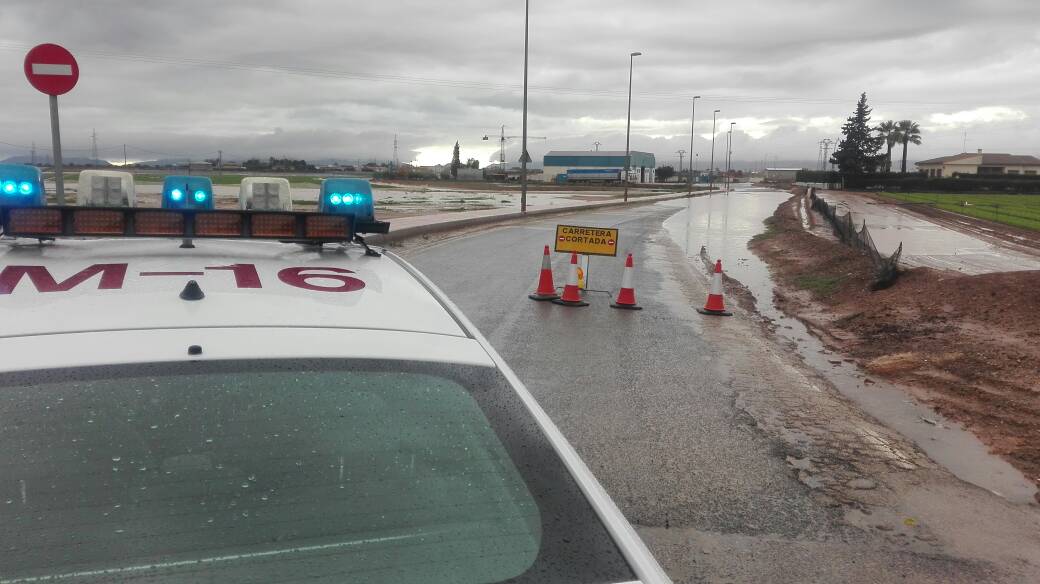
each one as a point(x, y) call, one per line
point(724, 224)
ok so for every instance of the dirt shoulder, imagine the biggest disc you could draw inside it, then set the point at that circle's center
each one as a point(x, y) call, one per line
point(967, 345)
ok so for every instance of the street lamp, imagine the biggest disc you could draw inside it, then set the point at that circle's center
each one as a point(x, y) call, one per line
point(693, 118)
point(628, 127)
point(729, 157)
point(711, 165)
point(524, 157)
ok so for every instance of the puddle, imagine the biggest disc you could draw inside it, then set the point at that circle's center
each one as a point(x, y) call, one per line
point(928, 244)
point(724, 224)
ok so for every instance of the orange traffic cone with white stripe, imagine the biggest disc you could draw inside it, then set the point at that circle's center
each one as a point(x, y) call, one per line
point(546, 289)
point(715, 304)
point(571, 295)
point(626, 297)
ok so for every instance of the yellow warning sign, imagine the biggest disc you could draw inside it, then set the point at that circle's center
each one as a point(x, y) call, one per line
point(586, 240)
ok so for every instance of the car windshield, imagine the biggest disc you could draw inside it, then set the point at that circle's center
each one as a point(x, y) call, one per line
point(286, 471)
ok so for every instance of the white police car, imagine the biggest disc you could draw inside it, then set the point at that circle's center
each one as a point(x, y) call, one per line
point(239, 409)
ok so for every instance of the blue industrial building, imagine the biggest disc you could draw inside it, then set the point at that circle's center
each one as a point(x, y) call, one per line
point(604, 166)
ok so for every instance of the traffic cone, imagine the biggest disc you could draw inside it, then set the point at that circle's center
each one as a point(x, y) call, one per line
point(546, 289)
point(626, 297)
point(715, 305)
point(571, 296)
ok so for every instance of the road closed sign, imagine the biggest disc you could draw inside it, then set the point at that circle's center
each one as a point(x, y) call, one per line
point(586, 240)
point(51, 69)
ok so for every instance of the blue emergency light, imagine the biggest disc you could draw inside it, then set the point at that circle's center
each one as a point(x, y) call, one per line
point(187, 192)
point(347, 196)
point(21, 185)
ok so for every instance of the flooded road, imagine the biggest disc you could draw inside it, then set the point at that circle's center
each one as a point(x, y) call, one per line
point(409, 200)
point(928, 244)
point(724, 224)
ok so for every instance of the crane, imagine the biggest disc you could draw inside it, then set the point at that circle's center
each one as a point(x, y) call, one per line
point(502, 145)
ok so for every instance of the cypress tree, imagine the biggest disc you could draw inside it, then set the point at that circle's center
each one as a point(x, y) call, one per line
point(858, 153)
point(456, 162)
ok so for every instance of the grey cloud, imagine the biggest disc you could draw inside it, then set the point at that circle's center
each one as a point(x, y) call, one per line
point(802, 59)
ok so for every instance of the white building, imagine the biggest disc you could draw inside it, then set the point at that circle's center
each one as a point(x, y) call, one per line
point(782, 174)
point(980, 163)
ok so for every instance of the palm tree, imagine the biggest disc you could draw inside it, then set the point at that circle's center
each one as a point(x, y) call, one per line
point(909, 132)
point(888, 131)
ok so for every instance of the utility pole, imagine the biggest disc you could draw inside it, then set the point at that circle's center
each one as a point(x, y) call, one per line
point(729, 140)
point(396, 161)
point(628, 128)
point(681, 153)
point(502, 150)
point(93, 147)
point(220, 161)
point(729, 157)
point(693, 119)
point(524, 158)
point(33, 155)
point(711, 166)
point(124, 155)
point(597, 145)
point(826, 149)
point(502, 146)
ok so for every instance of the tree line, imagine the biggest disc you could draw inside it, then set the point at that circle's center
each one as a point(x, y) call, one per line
point(859, 152)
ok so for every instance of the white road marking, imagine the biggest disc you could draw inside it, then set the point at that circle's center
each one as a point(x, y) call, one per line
point(205, 561)
point(51, 69)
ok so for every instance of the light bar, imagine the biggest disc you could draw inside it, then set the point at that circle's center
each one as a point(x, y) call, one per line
point(33, 220)
point(69, 221)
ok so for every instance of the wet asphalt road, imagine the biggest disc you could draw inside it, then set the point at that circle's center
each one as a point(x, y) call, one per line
point(667, 408)
point(638, 393)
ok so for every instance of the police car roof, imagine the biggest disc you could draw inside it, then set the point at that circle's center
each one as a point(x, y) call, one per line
point(81, 286)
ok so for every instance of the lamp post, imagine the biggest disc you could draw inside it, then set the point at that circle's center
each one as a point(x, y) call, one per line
point(693, 118)
point(628, 127)
point(729, 157)
point(524, 158)
point(711, 165)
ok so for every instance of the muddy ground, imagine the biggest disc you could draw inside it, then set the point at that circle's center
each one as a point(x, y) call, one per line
point(969, 346)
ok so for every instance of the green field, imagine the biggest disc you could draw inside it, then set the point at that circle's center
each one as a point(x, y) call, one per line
point(1016, 210)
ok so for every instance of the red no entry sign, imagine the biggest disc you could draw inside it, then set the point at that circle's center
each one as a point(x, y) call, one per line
point(51, 69)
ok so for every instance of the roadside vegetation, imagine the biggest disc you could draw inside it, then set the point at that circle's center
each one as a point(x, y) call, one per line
point(969, 346)
point(1015, 210)
point(821, 286)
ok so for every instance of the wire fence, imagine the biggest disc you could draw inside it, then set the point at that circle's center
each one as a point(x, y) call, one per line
point(887, 268)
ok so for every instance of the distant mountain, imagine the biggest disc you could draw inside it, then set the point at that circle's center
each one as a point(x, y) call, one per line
point(72, 161)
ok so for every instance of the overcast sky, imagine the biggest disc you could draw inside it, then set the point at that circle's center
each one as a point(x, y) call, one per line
point(314, 79)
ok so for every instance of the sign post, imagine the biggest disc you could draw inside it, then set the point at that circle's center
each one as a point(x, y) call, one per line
point(52, 69)
point(59, 170)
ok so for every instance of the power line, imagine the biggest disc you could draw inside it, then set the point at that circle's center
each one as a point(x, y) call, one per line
point(456, 83)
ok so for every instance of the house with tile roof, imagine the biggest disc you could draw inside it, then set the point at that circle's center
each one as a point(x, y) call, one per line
point(982, 163)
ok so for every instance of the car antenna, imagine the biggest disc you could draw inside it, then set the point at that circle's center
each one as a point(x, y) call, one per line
point(192, 291)
point(368, 250)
